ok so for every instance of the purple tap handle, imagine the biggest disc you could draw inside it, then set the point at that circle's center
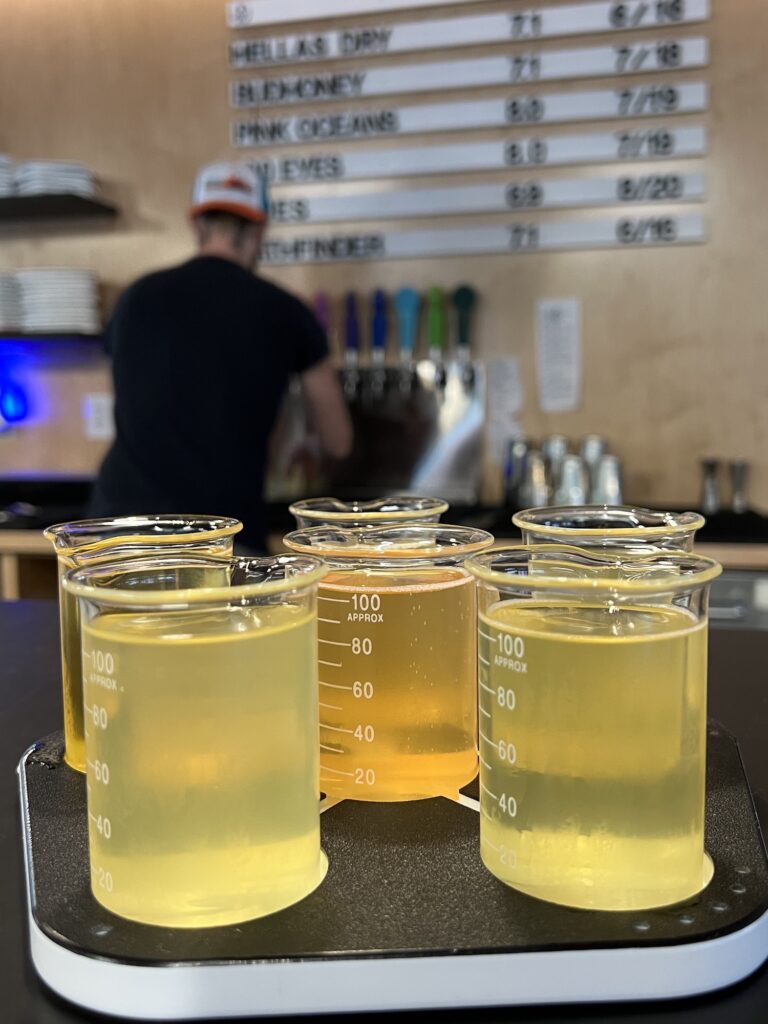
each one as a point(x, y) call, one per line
point(322, 307)
point(351, 323)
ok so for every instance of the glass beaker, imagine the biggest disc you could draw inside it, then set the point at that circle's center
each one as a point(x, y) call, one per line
point(592, 682)
point(614, 528)
point(200, 695)
point(397, 653)
point(89, 541)
point(397, 510)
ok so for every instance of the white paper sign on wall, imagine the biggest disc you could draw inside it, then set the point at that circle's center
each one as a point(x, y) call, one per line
point(504, 403)
point(98, 416)
point(558, 354)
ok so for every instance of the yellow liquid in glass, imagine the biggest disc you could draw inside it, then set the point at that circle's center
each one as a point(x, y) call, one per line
point(592, 747)
point(71, 676)
point(201, 736)
point(398, 704)
point(71, 640)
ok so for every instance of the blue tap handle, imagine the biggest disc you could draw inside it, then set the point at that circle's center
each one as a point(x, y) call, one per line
point(380, 323)
point(351, 323)
point(322, 307)
point(407, 305)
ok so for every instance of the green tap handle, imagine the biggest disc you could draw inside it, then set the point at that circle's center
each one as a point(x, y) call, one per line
point(436, 325)
point(464, 301)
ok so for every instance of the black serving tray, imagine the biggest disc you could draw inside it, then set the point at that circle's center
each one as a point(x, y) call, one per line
point(406, 917)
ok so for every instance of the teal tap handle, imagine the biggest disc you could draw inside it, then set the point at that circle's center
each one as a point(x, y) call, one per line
point(464, 301)
point(407, 306)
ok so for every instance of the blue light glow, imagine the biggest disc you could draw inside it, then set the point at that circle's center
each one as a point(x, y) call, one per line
point(13, 402)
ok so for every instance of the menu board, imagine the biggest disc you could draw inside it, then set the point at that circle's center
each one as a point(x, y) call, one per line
point(510, 110)
point(500, 197)
point(521, 151)
point(532, 23)
point(516, 237)
point(266, 12)
point(308, 186)
point(582, 62)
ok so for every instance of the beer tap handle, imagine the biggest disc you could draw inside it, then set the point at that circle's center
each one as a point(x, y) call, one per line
point(407, 307)
point(464, 301)
point(436, 331)
point(351, 376)
point(321, 304)
point(351, 330)
point(379, 328)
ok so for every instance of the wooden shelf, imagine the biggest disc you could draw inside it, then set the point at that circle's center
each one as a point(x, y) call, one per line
point(53, 207)
point(48, 336)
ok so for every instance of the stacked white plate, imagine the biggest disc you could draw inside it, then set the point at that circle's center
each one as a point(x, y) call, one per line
point(6, 175)
point(10, 303)
point(59, 300)
point(53, 177)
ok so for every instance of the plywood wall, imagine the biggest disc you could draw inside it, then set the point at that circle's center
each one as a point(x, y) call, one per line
point(675, 341)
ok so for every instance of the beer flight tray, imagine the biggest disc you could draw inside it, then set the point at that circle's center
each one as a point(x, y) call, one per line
point(407, 918)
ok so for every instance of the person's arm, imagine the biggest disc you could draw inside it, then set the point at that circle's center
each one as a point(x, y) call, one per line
point(327, 409)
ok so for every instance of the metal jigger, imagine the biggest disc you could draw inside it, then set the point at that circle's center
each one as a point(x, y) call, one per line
point(554, 449)
point(593, 447)
point(710, 491)
point(573, 486)
point(514, 471)
point(608, 489)
point(534, 491)
point(739, 470)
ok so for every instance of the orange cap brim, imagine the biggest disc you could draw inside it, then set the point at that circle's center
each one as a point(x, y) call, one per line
point(247, 212)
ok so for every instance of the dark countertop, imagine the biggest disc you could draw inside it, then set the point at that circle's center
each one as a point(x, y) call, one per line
point(35, 504)
point(29, 709)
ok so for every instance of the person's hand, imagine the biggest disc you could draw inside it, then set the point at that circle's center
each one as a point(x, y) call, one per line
point(306, 457)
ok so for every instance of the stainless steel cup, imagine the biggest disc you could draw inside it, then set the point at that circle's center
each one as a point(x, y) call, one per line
point(573, 488)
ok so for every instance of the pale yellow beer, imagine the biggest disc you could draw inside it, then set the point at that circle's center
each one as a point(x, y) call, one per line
point(71, 674)
point(201, 738)
point(592, 747)
point(94, 541)
point(397, 667)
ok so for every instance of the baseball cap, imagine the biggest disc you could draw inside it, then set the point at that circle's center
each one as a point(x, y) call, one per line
point(232, 187)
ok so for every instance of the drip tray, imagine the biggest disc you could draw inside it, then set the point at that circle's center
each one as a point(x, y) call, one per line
point(407, 917)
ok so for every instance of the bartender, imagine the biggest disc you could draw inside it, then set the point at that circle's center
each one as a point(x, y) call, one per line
point(201, 357)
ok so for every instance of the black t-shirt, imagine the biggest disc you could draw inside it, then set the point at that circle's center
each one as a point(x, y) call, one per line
point(202, 354)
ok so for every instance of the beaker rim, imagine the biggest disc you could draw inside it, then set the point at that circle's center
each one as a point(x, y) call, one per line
point(87, 534)
point(659, 572)
point(306, 571)
point(647, 522)
point(396, 507)
point(393, 543)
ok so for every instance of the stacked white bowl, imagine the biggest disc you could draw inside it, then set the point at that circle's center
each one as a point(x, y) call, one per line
point(6, 175)
point(53, 177)
point(10, 303)
point(59, 300)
